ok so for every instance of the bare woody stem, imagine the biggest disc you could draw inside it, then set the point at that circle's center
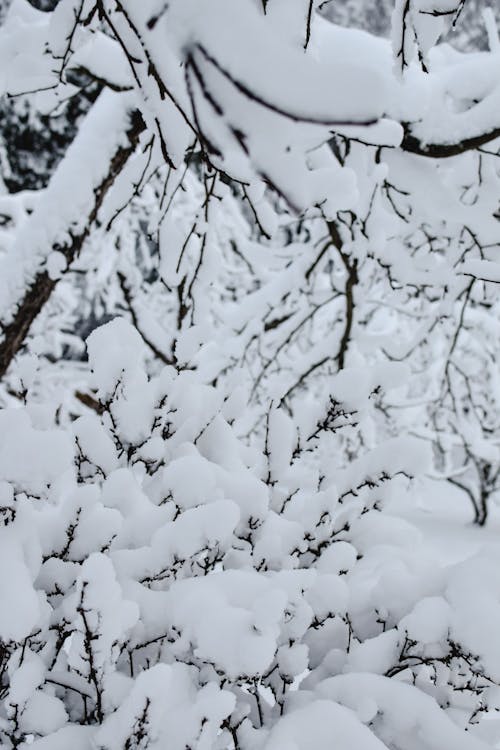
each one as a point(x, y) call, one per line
point(351, 266)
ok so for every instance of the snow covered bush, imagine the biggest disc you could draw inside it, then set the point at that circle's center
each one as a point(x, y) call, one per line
point(165, 584)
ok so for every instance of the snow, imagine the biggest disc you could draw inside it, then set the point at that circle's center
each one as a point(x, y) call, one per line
point(318, 723)
point(21, 606)
point(245, 522)
point(410, 711)
point(178, 715)
point(56, 265)
point(115, 355)
point(485, 270)
point(429, 621)
point(46, 453)
point(77, 737)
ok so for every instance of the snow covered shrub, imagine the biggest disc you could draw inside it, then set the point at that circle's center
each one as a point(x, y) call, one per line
point(165, 585)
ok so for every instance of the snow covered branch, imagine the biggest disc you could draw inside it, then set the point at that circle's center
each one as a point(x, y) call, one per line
point(48, 252)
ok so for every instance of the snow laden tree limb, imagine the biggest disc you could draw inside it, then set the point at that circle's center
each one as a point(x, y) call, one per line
point(38, 289)
point(462, 114)
point(414, 145)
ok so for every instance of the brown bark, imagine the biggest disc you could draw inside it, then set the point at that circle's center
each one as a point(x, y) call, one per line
point(414, 145)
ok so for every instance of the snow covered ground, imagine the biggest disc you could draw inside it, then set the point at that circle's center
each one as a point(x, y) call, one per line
point(444, 516)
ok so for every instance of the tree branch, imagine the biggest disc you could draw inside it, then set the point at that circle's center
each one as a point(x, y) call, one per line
point(415, 145)
point(42, 286)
